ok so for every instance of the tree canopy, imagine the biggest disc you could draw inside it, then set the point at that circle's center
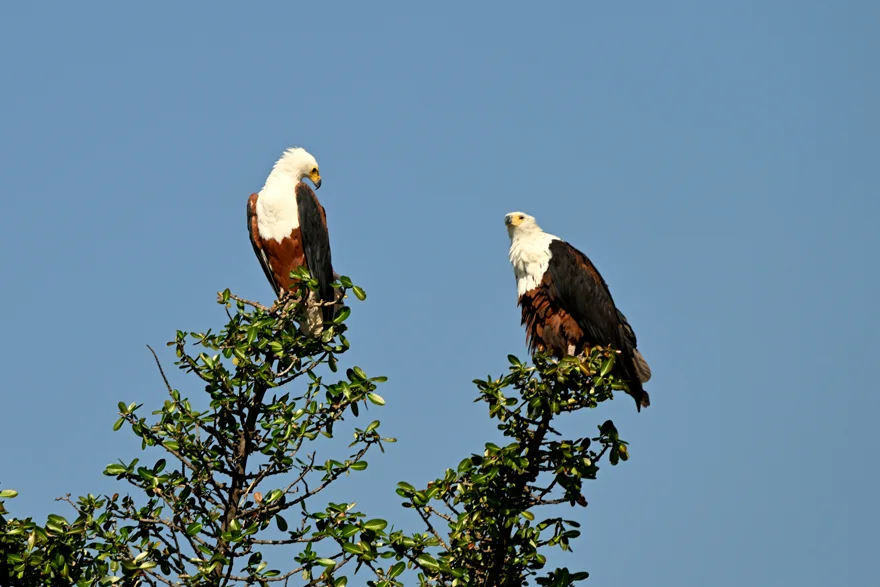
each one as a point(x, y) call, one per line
point(234, 474)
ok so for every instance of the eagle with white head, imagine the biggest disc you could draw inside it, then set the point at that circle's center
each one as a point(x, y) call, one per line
point(567, 306)
point(288, 230)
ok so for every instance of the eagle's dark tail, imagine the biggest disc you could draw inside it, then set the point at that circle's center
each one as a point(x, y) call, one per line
point(642, 368)
point(327, 294)
point(636, 371)
point(643, 400)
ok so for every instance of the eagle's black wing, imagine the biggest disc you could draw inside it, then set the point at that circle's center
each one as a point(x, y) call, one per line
point(316, 244)
point(582, 292)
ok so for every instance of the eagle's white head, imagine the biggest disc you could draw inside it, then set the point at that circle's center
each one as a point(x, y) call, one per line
point(294, 165)
point(277, 207)
point(519, 223)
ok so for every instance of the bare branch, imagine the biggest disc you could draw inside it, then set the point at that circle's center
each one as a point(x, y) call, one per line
point(427, 521)
point(161, 370)
point(256, 305)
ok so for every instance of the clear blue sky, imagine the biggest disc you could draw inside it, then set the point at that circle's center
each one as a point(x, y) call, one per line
point(717, 160)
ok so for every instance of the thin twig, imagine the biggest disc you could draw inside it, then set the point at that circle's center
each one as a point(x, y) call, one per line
point(430, 526)
point(256, 305)
point(161, 370)
point(434, 511)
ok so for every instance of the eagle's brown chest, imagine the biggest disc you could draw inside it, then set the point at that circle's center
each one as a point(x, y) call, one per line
point(285, 256)
point(548, 327)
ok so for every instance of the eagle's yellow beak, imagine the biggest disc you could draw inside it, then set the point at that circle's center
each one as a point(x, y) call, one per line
point(513, 220)
point(315, 176)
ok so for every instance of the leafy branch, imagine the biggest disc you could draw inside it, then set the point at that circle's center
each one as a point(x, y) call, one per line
point(487, 505)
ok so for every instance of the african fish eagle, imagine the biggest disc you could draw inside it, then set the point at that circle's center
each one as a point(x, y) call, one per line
point(288, 229)
point(566, 305)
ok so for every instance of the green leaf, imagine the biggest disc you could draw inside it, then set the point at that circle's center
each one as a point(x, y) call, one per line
point(359, 466)
point(281, 523)
point(428, 561)
point(359, 293)
point(8, 493)
point(376, 399)
point(193, 529)
point(349, 531)
point(607, 365)
point(397, 569)
point(118, 424)
point(528, 515)
point(608, 428)
point(352, 548)
point(376, 525)
point(114, 470)
point(340, 582)
point(342, 315)
point(326, 562)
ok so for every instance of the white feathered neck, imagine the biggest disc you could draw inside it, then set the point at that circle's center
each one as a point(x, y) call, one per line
point(530, 256)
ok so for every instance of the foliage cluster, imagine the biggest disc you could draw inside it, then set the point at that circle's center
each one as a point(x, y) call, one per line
point(240, 477)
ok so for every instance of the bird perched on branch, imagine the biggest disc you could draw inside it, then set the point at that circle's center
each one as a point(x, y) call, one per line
point(288, 230)
point(567, 306)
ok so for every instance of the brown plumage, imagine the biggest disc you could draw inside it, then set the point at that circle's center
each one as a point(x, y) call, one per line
point(549, 328)
point(280, 258)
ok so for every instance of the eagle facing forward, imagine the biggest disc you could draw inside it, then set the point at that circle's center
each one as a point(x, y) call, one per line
point(288, 230)
point(566, 305)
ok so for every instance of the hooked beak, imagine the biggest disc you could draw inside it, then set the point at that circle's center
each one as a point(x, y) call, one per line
point(513, 220)
point(316, 179)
